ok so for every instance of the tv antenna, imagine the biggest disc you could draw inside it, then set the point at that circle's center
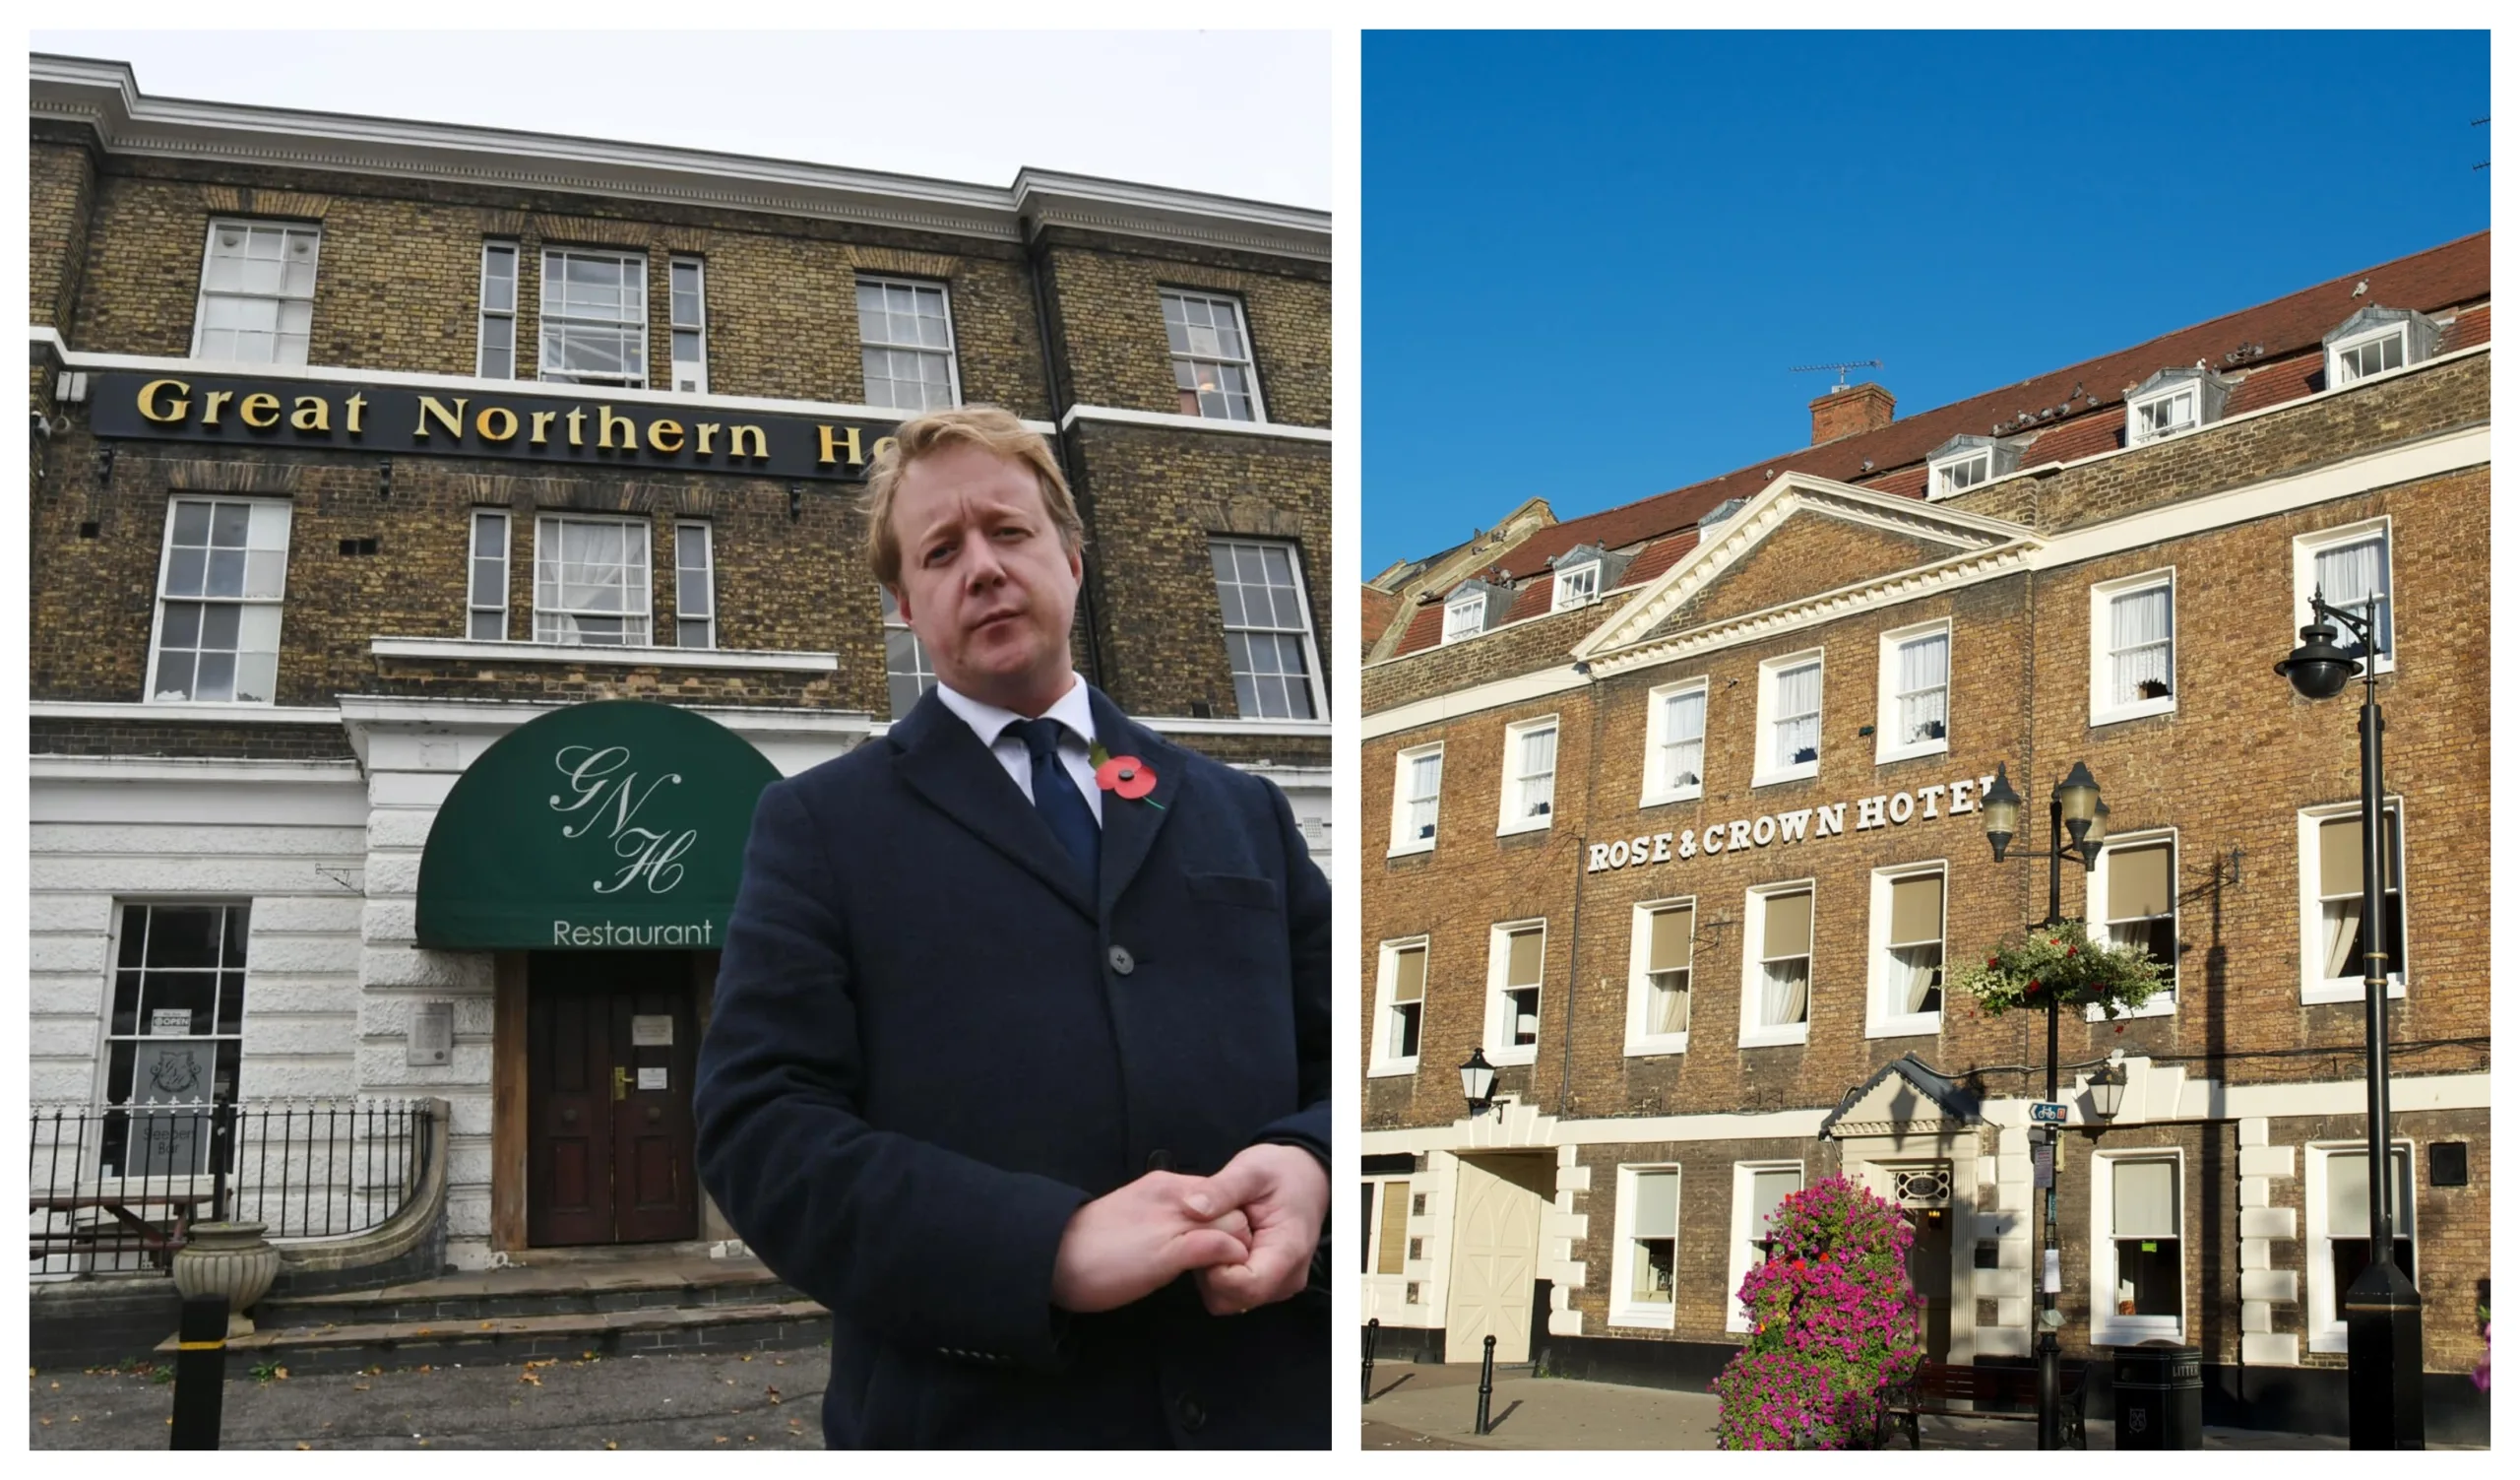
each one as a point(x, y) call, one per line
point(1840, 367)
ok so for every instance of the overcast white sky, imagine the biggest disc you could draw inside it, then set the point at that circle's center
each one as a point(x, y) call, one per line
point(1243, 114)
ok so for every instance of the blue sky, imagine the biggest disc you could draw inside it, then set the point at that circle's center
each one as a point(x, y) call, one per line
point(1590, 258)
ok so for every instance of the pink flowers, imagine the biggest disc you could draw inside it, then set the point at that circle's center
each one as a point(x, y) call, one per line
point(1835, 1325)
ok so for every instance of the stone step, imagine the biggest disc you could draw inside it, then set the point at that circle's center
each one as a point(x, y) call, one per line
point(559, 1288)
point(767, 1327)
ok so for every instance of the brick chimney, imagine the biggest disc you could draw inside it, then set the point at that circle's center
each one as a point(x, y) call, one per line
point(1848, 408)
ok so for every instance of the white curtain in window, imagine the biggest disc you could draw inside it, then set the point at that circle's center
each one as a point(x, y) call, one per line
point(1797, 707)
point(1539, 770)
point(1684, 738)
point(1426, 775)
point(1924, 675)
point(2139, 637)
point(1667, 1011)
point(1786, 993)
point(2340, 920)
point(2350, 574)
point(1912, 975)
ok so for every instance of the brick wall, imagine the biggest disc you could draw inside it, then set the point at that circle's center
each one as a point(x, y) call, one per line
point(1801, 558)
point(1109, 301)
point(61, 179)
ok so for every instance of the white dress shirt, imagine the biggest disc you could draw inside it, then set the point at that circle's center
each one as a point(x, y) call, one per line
point(1075, 718)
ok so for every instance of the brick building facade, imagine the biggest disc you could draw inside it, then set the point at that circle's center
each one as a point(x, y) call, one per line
point(1681, 812)
point(363, 445)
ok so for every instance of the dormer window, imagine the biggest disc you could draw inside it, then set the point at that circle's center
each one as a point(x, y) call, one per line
point(1965, 471)
point(1577, 586)
point(2377, 341)
point(2171, 412)
point(2170, 402)
point(1465, 617)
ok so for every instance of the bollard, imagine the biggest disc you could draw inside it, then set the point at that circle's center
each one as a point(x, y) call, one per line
point(1373, 1328)
point(1486, 1381)
point(200, 1366)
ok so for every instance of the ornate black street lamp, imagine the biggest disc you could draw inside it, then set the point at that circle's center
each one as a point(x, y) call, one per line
point(2383, 1311)
point(1478, 1083)
point(2078, 822)
point(2109, 1090)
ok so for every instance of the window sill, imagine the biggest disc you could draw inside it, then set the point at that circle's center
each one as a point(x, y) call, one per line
point(1772, 1038)
point(2137, 711)
point(1889, 754)
point(1511, 1057)
point(1804, 772)
point(2135, 1330)
point(1653, 1044)
point(1402, 850)
point(2333, 1339)
point(2345, 989)
point(1906, 1025)
point(1641, 1318)
point(1660, 799)
point(1508, 829)
point(1392, 1070)
point(2162, 1004)
point(629, 655)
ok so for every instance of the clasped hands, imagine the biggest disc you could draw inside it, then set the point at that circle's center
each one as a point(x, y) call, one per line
point(1247, 1233)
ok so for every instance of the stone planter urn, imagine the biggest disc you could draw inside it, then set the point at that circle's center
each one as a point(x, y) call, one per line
point(231, 1259)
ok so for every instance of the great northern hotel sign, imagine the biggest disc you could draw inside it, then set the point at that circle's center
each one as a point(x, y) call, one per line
point(1925, 803)
point(594, 430)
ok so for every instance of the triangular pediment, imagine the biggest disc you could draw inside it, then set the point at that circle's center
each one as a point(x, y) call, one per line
point(1800, 540)
point(1903, 1098)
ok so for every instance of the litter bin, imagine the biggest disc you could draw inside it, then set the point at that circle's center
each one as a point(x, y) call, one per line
point(2160, 1396)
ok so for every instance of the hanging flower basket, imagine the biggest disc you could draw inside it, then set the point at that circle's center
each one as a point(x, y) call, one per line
point(2062, 964)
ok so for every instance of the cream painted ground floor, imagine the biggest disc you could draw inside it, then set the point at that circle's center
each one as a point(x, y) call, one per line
point(2204, 1213)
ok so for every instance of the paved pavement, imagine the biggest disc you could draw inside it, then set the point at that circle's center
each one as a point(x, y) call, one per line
point(1431, 1407)
point(768, 1400)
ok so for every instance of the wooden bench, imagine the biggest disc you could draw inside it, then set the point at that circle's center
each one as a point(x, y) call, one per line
point(131, 1227)
point(1939, 1388)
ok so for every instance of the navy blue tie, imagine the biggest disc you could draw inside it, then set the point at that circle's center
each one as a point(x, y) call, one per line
point(1062, 805)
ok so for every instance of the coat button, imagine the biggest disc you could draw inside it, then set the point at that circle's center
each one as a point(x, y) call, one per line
point(1159, 1160)
point(1193, 1417)
point(1121, 961)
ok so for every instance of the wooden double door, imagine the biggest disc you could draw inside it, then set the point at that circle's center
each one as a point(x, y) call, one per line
point(610, 1042)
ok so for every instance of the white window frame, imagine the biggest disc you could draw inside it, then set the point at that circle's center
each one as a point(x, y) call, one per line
point(697, 382)
point(951, 351)
point(1764, 769)
point(1884, 1018)
point(1942, 470)
point(480, 333)
point(2139, 429)
point(684, 609)
point(1249, 361)
point(475, 608)
point(1640, 1041)
point(2307, 549)
point(1380, 1060)
point(1498, 1033)
point(1303, 607)
point(2107, 1327)
point(1404, 837)
point(542, 367)
point(1464, 617)
point(921, 670)
point(2317, 986)
point(1888, 741)
point(1625, 1310)
point(1754, 921)
point(2096, 921)
point(2377, 334)
point(1568, 591)
point(546, 529)
point(1746, 1252)
point(1512, 814)
point(1657, 735)
point(2104, 709)
point(276, 602)
point(2322, 1304)
point(203, 291)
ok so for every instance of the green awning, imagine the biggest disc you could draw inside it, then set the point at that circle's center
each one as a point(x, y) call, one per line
point(619, 823)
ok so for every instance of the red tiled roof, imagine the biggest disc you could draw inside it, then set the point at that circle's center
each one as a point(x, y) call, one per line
point(1657, 557)
point(1426, 630)
point(2460, 272)
point(1375, 608)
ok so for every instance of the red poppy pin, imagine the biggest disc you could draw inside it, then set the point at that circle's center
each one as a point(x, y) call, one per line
point(1126, 775)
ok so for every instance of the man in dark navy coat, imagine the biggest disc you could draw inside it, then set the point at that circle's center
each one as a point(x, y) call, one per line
point(1026, 1079)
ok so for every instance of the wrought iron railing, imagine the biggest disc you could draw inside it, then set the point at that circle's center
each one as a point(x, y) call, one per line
point(114, 1188)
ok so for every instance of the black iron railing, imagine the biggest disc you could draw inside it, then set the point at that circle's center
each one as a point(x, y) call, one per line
point(116, 1188)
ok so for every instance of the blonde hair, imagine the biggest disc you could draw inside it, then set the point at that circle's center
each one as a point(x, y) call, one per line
point(991, 427)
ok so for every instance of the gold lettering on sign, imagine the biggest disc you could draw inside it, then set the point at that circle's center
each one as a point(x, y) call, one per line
point(542, 419)
point(431, 411)
point(311, 413)
point(659, 431)
point(831, 449)
point(506, 424)
point(707, 431)
point(210, 402)
point(356, 404)
point(259, 409)
point(735, 436)
point(882, 444)
point(577, 425)
point(609, 419)
point(155, 409)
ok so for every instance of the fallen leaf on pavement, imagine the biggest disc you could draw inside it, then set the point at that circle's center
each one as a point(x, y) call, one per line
point(774, 1397)
point(612, 1443)
point(722, 1439)
point(303, 1445)
point(47, 1422)
point(358, 1388)
point(534, 1378)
